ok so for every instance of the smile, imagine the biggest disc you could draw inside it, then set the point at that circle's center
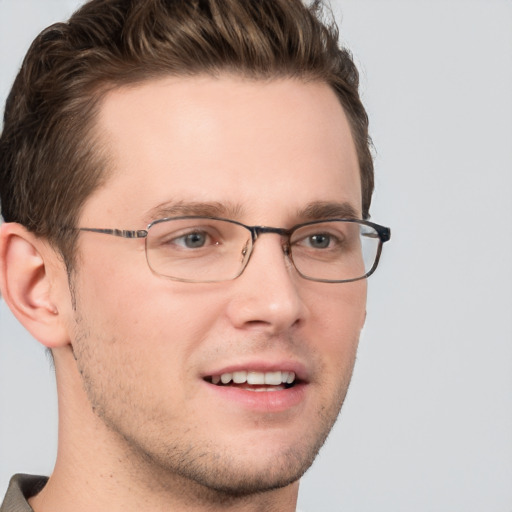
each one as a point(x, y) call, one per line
point(255, 381)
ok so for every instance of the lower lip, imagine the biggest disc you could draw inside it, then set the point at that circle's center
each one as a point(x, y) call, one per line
point(262, 401)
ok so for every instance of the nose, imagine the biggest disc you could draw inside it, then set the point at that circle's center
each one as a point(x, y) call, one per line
point(266, 297)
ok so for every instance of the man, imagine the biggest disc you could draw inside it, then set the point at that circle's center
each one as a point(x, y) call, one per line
point(184, 187)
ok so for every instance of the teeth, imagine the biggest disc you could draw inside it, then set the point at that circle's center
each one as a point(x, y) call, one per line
point(239, 377)
point(273, 378)
point(226, 378)
point(255, 378)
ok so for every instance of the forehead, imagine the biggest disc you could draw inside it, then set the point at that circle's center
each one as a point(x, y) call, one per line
point(254, 145)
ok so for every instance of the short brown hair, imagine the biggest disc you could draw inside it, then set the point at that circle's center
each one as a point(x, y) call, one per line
point(49, 160)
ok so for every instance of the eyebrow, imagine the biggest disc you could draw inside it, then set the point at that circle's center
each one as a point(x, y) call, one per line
point(316, 210)
point(194, 208)
point(319, 210)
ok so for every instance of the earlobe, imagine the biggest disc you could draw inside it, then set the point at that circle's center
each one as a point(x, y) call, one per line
point(26, 284)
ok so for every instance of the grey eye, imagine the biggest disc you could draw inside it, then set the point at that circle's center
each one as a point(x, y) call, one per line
point(194, 240)
point(319, 241)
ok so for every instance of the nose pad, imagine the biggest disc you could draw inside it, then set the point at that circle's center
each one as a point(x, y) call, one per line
point(245, 255)
point(287, 251)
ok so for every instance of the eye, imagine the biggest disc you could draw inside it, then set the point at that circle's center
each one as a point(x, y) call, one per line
point(319, 241)
point(193, 240)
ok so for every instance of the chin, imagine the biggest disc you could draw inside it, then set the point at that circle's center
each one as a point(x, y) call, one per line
point(235, 478)
point(227, 471)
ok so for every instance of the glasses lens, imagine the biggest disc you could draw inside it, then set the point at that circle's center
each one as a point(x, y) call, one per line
point(197, 249)
point(335, 250)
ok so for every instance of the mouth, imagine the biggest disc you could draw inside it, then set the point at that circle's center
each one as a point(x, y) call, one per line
point(250, 380)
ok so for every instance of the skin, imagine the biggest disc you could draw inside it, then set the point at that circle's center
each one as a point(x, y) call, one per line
point(139, 428)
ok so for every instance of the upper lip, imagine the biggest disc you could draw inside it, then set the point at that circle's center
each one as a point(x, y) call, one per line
point(260, 365)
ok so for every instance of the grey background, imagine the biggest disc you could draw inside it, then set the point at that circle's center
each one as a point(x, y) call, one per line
point(427, 425)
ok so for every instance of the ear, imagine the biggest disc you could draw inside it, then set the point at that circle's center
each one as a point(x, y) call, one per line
point(26, 283)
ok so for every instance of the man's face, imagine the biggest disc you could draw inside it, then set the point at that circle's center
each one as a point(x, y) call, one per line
point(262, 153)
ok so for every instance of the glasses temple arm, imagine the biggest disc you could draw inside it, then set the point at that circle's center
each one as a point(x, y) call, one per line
point(123, 233)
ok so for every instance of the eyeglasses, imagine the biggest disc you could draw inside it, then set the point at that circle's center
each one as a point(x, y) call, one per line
point(210, 249)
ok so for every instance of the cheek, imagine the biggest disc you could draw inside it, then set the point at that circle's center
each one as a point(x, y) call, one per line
point(341, 308)
point(149, 337)
point(337, 318)
point(154, 318)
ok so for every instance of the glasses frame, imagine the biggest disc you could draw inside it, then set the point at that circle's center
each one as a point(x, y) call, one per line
point(383, 233)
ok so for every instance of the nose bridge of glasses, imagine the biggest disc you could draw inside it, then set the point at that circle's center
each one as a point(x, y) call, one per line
point(282, 232)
